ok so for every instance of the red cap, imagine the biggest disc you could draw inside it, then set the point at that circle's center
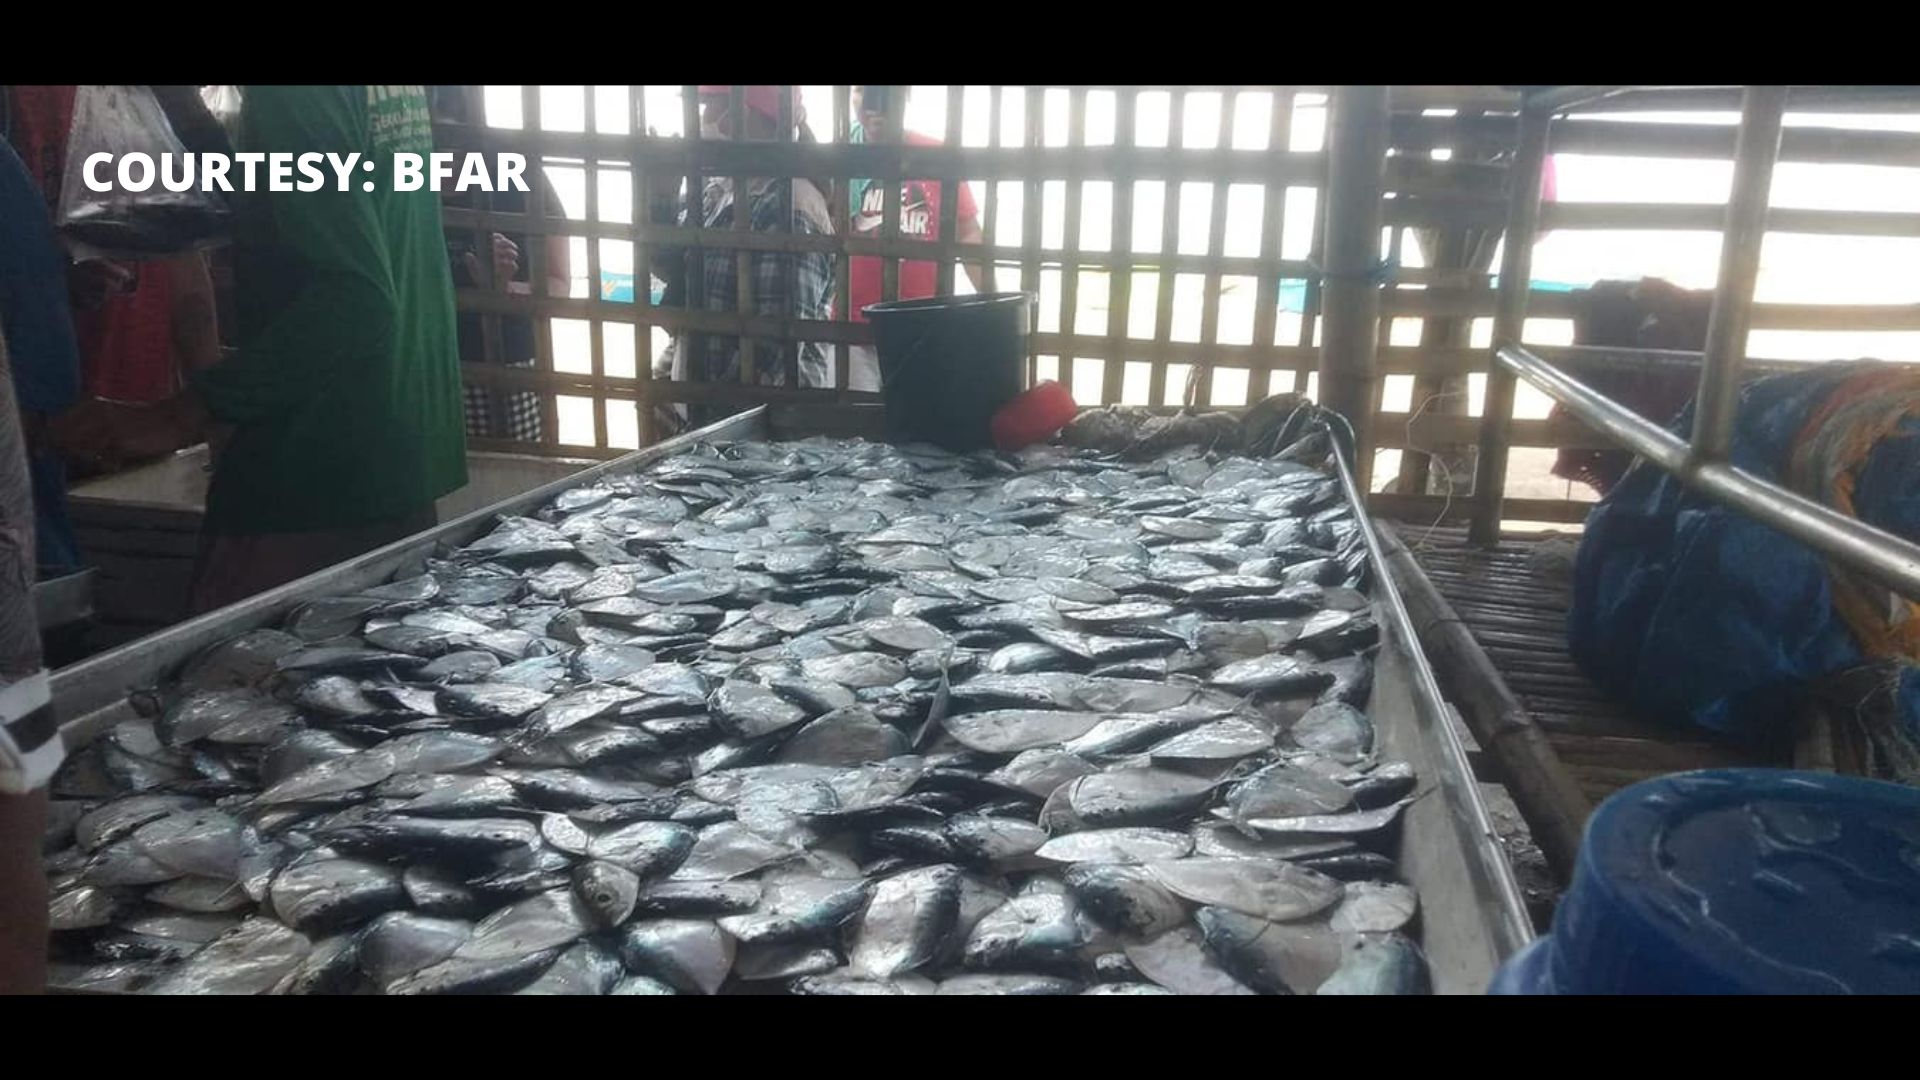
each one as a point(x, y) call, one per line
point(764, 100)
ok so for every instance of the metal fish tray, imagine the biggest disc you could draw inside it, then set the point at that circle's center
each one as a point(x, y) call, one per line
point(1473, 915)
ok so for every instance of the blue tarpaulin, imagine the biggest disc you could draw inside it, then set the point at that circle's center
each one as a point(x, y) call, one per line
point(1699, 615)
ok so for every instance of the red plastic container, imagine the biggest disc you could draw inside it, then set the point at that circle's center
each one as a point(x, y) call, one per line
point(1033, 416)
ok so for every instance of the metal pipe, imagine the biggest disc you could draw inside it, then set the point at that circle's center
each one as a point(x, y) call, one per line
point(1584, 360)
point(1475, 825)
point(1754, 153)
point(1893, 561)
point(1894, 99)
point(1349, 336)
point(1559, 99)
point(1509, 320)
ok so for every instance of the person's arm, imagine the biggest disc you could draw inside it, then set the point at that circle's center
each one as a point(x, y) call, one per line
point(507, 252)
point(341, 322)
point(23, 894)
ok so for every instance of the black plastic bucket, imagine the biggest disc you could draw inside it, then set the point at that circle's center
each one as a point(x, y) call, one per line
point(948, 363)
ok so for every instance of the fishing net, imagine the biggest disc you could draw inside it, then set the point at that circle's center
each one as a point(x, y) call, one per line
point(1699, 615)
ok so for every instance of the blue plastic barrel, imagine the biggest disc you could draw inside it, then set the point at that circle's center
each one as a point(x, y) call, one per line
point(1738, 881)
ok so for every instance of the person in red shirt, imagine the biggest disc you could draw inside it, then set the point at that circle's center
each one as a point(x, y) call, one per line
point(920, 202)
point(140, 326)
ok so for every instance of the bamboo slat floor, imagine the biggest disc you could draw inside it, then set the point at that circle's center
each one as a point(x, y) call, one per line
point(1514, 598)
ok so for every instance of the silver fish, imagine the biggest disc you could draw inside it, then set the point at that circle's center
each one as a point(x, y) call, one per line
point(609, 891)
point(1385, 965)
point(754, 963)
point(693, 956)
point(200, 894)
point(1009, 731)
point(1276, 891)
point(330, 967)
point(1031, 928)
point(543, 921)
point(1008, 985)
point(327, 894)
point(86, 907)
point(1178, 961)
point(1375, 907)
point(1125, 899)
point(1274, 958)
point(641, 986)
point(1122, 845)
point(647, 849)
point(108, 823)
point(796, 906)
point(457, 975)
point(748, 710)
point(1272, 673)
point(401, 943)
point(251, 959)
point(906, 923)
point(1336, 729)
point(849, 736)
point(584, 969)
point(204, 843)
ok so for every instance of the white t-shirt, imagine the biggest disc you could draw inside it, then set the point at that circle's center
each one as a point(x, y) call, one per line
point(30, 744)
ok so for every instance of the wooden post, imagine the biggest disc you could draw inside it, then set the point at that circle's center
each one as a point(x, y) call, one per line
point(996, 96)
point(1201, 378)
point(1455, 248)
point(742, 223)
point(1120, 254)
point(1273, 211)
point(1356, 173)
point(692, 345)
point(1033, 130)
point(789, 347)
point(1169, 251)
point(950, 188)
point(891, 183)
point(596, 328)
point(1070, 236)
point(642, 276)
point(842, 272)
point(1509, 323)
point(537, 268)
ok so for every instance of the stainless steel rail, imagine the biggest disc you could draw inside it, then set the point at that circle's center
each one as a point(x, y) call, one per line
point(1890, 559)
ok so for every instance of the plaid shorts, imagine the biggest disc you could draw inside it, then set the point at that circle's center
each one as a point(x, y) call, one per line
point(520, 413)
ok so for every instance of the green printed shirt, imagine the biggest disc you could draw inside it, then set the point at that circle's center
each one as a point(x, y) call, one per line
point(345, 388)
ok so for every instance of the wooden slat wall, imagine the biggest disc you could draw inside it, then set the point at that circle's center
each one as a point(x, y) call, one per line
point(1021, 160)
point(1048, 254)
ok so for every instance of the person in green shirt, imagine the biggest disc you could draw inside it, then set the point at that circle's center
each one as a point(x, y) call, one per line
point(343, 395)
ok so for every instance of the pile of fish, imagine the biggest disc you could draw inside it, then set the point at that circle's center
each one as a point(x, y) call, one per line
point(816, 717)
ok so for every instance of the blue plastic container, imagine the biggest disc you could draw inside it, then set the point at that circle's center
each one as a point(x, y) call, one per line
point(1738, 881)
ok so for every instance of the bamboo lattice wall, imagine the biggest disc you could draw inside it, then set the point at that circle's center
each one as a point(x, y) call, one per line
point(1042, 158)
